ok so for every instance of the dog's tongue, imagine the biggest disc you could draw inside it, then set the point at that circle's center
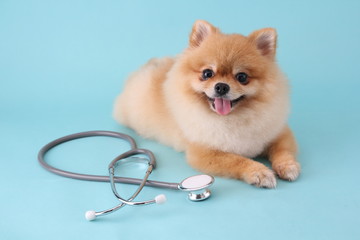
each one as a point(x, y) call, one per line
point(222, 106)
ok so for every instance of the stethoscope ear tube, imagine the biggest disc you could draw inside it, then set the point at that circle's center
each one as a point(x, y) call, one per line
point(151, 166)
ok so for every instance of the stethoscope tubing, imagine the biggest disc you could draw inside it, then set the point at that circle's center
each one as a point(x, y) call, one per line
point(97, 178)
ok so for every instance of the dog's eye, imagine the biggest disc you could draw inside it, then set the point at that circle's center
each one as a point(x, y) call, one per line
point(242, 78)
point(207, 73)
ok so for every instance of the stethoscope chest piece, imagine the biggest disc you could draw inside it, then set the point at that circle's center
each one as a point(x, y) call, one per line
point(197, 186)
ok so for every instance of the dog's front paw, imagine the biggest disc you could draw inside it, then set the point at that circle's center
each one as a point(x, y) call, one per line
point(261, 176)
point(287, 168)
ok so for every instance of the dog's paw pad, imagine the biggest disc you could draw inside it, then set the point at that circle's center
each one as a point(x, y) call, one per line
point(263, 177)
point(288, 170)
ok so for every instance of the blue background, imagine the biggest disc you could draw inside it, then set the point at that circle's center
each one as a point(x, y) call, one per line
point(63, 62)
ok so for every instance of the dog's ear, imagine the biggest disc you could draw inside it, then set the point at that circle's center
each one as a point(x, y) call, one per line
point(265, 41)
point(200, 31)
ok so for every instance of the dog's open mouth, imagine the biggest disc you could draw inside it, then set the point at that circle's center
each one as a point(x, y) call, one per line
point(223, 106)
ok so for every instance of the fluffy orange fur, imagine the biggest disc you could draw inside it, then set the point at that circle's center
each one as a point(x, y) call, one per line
point(170, 100)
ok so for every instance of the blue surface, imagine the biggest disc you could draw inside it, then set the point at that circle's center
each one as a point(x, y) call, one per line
point(61, 65)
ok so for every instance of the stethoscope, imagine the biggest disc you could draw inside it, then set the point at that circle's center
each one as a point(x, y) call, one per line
point(197, 185)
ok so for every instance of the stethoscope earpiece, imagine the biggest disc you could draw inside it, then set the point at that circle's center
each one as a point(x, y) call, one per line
point(90, 215)
point(197, 185)
point(160, 199)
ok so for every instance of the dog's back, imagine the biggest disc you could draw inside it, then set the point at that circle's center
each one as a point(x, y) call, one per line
point(142, 105)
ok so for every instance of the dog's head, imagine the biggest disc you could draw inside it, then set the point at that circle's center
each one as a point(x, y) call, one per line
point(227, 71)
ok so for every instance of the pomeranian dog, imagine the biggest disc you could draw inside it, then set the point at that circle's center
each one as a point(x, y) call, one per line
point(223, 101)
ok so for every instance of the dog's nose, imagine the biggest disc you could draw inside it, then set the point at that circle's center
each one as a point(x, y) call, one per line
point(222, 88)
